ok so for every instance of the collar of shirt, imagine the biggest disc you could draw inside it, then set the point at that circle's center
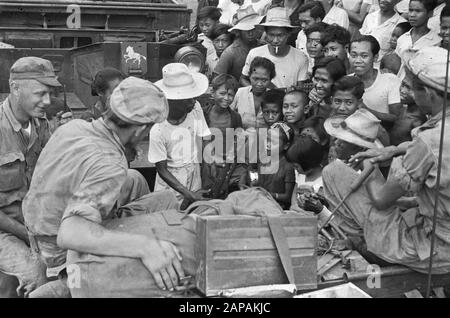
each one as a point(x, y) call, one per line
point(429, 36)
point(432, 122)
point(12, 119)
point(392, 20)
point(101, 126)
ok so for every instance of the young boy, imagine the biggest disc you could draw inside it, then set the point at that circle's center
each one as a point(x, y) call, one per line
point(336, 43)
point(174, 143)
point(294, 103)
point(410, 118)
point(390, 63)
point(399, 30)
point(420, 35)
point(221, 173)
point(272, 106)
point(221, 39)
point(207, 19)
point(280, 183)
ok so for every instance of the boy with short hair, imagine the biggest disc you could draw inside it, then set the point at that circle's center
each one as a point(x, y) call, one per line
point(272, 106)
point(207, 19)
point(336, 43)
point(314, 48)
point(294, 105)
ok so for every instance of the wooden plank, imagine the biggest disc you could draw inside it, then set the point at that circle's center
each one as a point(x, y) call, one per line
point(413, 294)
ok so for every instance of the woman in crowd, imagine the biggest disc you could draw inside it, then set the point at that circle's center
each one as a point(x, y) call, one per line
point(325, 72)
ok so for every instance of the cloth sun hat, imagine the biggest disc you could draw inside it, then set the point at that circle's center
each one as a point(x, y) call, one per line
point(247, 19)
point(179, 82)
point(429, 65)
point(277, 17)
point(140, 102)
point(32, 67)
point(360, 128)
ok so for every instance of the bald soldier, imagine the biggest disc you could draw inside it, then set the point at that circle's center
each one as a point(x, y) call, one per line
point(82, 177)
point(24, 131)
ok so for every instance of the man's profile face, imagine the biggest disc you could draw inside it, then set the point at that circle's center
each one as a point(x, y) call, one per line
point(33, 97)
point(305, 19)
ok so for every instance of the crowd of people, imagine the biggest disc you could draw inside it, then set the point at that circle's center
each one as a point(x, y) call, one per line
point(306, 95)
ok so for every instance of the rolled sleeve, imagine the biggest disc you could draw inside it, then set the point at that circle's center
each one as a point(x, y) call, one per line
point(412, 170)
point(97, 195)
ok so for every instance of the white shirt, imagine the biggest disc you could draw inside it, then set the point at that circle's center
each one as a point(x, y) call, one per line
point(337, 16)
point(382, 32)
point(229, 8)
point(434, 23)
point(289, 69)
point(177, 143)
point(402, 6)
point(300, 43)
point(405, 48)
point(382, 93)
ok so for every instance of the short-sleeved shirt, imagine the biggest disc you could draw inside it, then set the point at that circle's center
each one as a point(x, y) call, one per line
point(232, 59)
point(300, 43)
point(80, 172)
point(382, 32)
point(434, 23)
point(383, 92)
point(337, 16)
point(244, 104)
point(416, 172)
point(289, 69)
point(178, 143)
point(19, 152)
point(406, 49)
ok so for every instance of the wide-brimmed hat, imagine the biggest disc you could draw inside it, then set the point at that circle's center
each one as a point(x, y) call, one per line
point(179, 82)
point(428, 64)
point(247, 19)
point(277, 17)
point(138, 101)
point(36, 68)
point(360, 128)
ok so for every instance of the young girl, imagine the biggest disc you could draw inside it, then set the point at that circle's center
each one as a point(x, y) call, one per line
point(221, 173)
point(277, 175)
point(326, 71)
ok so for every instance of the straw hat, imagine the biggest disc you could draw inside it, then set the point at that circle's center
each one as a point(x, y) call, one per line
point(360, 128)
point(247, 19)
point(179, 82)
point(277, 17)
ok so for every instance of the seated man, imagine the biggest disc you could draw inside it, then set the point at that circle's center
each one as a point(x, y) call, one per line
point(372, 211)
point(80, 180)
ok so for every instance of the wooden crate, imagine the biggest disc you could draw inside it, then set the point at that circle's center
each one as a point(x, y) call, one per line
point(239, 251)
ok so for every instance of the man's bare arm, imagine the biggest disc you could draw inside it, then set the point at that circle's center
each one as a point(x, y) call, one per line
point(10, 225)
